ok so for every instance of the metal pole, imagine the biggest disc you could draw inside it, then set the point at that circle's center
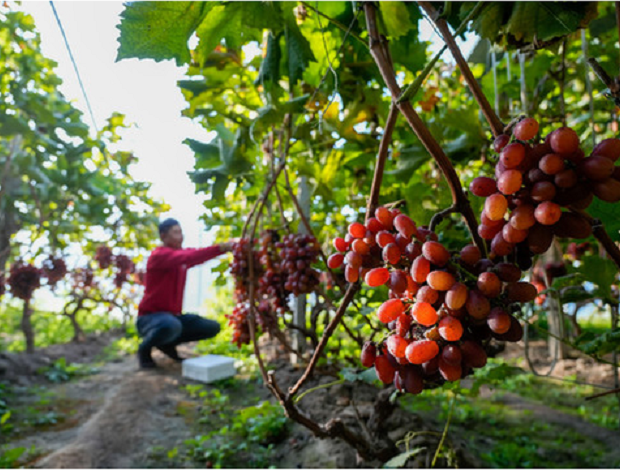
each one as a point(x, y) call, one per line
point(299, 310)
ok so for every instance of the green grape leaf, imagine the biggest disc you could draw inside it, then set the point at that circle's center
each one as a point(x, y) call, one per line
point(601, 272)
point(159, 30)
point(401, 459)
point(299, 52)
point(530, 24)
point(396, 18)
point(609, 214)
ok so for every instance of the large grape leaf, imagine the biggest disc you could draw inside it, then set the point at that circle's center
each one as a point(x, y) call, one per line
point(528, 24)
point(609, 215)
point(159, 30)
point(299, 52)
point(396, 18)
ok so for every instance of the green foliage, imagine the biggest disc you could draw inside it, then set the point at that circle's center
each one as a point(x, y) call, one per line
point(240, 436)
point(60, 371)
point(9, 457)
point(522, 24)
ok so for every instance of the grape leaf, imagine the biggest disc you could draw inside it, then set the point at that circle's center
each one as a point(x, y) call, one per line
point(396, 18)
point(401, 459)
point(159, 30)
point(609, 215)
point(530, 24)
point(299, 53)
point(601, 272)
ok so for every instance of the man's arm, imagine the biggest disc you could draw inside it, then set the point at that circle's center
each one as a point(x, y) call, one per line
point(167, 258)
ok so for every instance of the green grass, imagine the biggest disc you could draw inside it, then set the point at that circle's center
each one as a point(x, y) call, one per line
point(504, 437)
point(50, 327)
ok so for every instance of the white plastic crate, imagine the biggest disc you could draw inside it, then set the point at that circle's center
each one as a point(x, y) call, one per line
point(209, 368)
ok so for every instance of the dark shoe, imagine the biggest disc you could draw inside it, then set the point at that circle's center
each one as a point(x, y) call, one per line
point(144, 358)
point(171, 352)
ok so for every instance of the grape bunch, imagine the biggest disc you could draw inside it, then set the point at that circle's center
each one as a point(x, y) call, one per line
point(125, 266)
point(298, 253)
point(54, 269)
point(443, 308)
point(271, 285)
point(240, 270)
point(24, 279)
point(104, 256)
point(389, 238)
point(83, 278)
point(534, 182)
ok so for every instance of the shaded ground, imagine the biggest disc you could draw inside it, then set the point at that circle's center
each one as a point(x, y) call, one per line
point(122, 417)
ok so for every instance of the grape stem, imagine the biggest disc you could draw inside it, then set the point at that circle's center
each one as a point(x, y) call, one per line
point(602, 394)
point(440, 216)
point(373, 200)
point(613, 84)
point(380, 53)
point(496, 124)
point(445, 430)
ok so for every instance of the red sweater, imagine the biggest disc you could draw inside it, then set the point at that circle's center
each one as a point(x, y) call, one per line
point(166, 271)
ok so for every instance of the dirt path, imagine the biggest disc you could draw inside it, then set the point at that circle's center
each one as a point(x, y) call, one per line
point(605, 436)
point(121, 415)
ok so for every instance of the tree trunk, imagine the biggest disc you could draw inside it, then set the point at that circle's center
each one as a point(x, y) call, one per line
point(27, 327)
point(78, 333)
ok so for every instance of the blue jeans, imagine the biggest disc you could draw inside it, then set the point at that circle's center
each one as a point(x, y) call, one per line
point(166, 329)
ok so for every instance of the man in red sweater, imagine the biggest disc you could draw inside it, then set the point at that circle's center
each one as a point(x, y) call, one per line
point(161, 322)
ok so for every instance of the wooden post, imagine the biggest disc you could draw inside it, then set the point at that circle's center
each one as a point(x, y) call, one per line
point(299, 310)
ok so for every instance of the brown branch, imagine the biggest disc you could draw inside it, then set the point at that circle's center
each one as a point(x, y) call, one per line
point(348, 297)
point(602, 394)
point(599, 232)
point(257, 353)
point(441, 24)
point(611, 83)
point(387, 72)
point(440, 216)
point(373, 200)
point(334, 428)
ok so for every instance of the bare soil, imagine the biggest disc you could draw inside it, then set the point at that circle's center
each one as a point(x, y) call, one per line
point(119, 416)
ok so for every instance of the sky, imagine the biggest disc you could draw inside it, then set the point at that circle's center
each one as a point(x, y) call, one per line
point(146, 92)
point(143, 90)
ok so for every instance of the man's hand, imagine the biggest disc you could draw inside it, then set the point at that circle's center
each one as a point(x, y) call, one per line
point(228, 246)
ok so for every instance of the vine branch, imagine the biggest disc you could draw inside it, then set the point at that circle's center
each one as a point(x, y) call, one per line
point(377, 50)
point(348, 297)
point(441, 24)
point(373, 200)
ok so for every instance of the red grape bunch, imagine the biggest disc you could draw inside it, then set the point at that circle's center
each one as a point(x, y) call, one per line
point(125, 266)
point(104, 256)
point(298, 253)
point(443, 309)
point(534, 182)
point(83, 278)
point(389, 238)
point(24, 279)
point(271, 285)
point(240, 270)
point(54, 269)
